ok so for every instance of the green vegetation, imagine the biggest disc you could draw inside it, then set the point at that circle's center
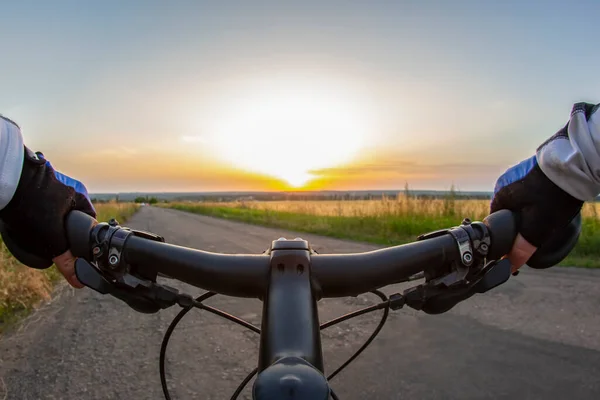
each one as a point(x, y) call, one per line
point(148, 200)
point(22, 288)
point(385, 222)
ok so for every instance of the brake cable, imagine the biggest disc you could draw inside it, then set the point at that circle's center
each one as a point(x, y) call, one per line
point(386, 310)
point(165, 341)
point(385, 305)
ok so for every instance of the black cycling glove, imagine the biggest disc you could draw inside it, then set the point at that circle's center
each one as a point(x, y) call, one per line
point(32, 224)
point(544, 208)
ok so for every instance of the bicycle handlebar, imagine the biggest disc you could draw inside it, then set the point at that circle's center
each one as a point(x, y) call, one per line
point(340, 275)
point(245, 275)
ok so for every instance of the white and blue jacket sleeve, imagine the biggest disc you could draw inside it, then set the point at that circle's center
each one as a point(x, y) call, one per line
point(11, 159)
point(571, 158)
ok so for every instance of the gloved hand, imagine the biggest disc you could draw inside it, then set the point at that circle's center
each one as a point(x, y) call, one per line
point(544, 208)
point(32, 224)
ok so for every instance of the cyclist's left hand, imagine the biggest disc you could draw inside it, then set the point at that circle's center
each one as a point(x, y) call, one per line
point(33, 221)
point(66, 265)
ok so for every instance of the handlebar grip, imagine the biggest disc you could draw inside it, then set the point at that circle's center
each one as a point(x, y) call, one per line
point(79, 228)
point(503, 232)
point(558, 247)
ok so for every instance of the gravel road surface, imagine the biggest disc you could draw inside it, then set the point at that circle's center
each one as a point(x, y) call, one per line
point(535, 337)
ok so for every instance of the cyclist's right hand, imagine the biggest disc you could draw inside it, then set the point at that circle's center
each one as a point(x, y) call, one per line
point(32, 223)
point(548, 189)
point(544, 209)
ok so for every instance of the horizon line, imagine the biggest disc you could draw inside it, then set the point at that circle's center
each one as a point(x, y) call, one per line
point(292, 191)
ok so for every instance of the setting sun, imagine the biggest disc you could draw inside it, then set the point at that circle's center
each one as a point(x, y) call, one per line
point(288, 132)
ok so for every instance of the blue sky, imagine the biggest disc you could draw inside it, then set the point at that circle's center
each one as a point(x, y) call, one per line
point(456, 91)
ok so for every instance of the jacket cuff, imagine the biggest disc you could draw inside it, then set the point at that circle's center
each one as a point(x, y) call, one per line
point(571, 158)
point(11, 159)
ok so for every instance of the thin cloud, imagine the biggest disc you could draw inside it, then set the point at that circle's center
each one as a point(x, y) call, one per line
point(194, 139)
point(360, 169)
point(406, 167)
point(120, 152)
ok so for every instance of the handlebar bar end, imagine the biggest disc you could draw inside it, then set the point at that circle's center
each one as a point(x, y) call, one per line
point(79, 228)
point(503, 232)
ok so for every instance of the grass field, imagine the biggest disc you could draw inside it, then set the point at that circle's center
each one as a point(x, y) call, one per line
point(388, 221)
point(22, 288)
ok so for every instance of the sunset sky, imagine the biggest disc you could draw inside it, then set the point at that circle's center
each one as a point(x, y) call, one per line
point(245, 95)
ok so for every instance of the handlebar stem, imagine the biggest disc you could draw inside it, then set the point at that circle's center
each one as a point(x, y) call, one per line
point(290, 325)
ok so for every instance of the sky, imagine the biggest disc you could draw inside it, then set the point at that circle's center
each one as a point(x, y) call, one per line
point(239, 95)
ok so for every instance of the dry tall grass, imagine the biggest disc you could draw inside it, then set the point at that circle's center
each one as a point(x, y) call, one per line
point(368, 208)
point(21, 288)
point(400, 206)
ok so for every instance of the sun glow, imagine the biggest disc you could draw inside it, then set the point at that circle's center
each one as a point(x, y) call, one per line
point(289, 132)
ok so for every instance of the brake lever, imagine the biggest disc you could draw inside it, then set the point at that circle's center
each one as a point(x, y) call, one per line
point(436, 297)
point(91, 277)
point(142, 295)
point(495, 273)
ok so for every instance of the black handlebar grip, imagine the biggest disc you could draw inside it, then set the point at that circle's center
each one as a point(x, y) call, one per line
point(79, 228)
point(558, 247)
point(503, 231)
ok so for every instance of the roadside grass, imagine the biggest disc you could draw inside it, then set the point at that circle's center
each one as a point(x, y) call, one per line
point(386, 222)
point(22, 288)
